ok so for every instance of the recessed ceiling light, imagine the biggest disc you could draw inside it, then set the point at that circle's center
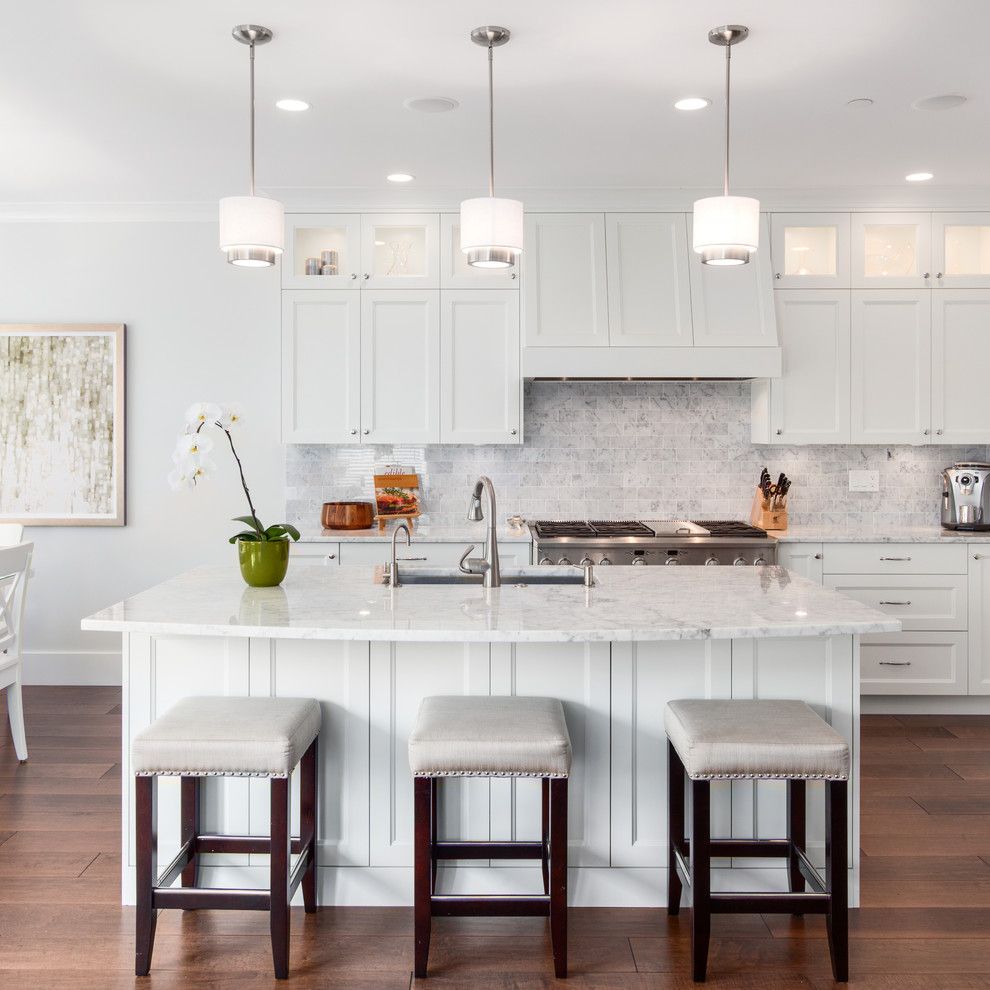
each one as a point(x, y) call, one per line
point(431, 104)
point(400, 177)
point(692, 103)
point(919, 176)
point(944, 102)
point(294, 105)
point(860, 103)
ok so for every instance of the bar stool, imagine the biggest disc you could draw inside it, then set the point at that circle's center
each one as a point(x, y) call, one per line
point(491, 737)
point(757, 740)
point(227, 737)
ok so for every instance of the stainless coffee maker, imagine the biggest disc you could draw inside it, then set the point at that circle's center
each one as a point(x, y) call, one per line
point(966, 496)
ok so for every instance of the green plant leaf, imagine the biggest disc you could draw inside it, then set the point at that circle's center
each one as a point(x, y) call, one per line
point(248, 536)
point(250, 521)
point(291, 530)
point(276, 532)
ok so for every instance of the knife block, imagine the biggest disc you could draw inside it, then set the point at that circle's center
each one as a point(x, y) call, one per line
point(765, 517)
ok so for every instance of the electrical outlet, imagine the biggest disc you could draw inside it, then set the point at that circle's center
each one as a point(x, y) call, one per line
point(864, 481)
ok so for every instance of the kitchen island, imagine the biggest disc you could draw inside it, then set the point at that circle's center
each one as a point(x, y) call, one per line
point(614, 654)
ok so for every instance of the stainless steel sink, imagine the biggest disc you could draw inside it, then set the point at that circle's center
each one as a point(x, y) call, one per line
point(511, 577)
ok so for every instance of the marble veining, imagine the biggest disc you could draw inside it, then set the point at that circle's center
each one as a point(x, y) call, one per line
point(626, 604)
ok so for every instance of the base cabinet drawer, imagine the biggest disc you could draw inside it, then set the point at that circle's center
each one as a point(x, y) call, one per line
point(895, 558)
point(315, 553)
point(921, 602)
point(914, 663)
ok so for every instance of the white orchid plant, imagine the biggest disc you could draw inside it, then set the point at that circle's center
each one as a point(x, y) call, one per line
point(193, 464)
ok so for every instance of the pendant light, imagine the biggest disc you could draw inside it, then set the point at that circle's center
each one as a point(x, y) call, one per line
point(726, 228)
point(491, 228)
point(251, 227)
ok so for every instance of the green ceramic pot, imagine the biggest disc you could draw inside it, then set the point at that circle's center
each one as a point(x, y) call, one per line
point(263, 564)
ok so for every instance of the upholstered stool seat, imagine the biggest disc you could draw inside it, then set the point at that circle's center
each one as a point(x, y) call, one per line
point(229, 737)
point(753, 740)
point(481, 736)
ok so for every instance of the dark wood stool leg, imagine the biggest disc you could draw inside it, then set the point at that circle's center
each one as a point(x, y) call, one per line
point(434, 830)
point(307, 819)
point(558, 874)
point(796, 834)
point(545, 832)
point(701, 919)
point(146, 825)
point(422, 881)
point(189, 803)
point(280, 847)
point(675, 826)
point(837, 877)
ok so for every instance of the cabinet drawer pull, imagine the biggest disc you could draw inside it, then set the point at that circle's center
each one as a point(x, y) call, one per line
point(894, 603)
point(412, 558)
point(818, 556)
point(331, 556)
point(903, 559)
point(895, 663)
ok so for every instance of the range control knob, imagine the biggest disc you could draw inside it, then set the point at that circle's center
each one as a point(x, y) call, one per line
point(585, 560)
point(563, 561)
point(545, 560)
point(604, 560)
point(739, 562)
point(671, 561)
point(759, 562)
point(712, 562)
point(641, 561)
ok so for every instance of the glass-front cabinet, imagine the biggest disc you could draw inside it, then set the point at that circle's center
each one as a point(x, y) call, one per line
point(400, 251)
point(961, 250)
point(456, 273)
point(322, 251)
point(810, 250)
point(891, 251)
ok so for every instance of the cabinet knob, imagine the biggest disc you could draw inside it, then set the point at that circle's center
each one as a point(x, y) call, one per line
point(513, 275)
point(366, 432)
point(331, 556)
point(513, 432)
point(353, 433)
point(780, 433)
point(367, 276)
point(977, 556)
point(353, 274)
point(939, 275)
point(927, 275)
point(938, 433)
point(777, 275)
point(926, 432)
point(818, 556)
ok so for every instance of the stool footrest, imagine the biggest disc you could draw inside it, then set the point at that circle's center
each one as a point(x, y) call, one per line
point(241, 844)
point(769, 903)
point(456, 906)
point(489, 850)
point(190, 898)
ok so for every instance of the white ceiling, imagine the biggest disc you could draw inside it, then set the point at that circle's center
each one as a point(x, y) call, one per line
point(145, 100)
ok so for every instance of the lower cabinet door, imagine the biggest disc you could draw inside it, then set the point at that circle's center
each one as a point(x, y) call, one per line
point(802, 558)
point(914, 663)
point(979, 619)
point(922, 602)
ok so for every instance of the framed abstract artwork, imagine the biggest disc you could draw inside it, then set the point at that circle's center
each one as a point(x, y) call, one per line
point(62, 424)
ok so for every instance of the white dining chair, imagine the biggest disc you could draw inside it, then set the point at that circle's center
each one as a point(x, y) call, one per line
point(15, 564)
point(11, 534)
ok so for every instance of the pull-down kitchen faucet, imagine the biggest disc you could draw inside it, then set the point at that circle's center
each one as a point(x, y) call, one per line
point(488, 567)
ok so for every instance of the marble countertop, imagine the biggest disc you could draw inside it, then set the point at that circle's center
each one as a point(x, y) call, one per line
point(906, 534)
point(425, 533)
point(626, 604)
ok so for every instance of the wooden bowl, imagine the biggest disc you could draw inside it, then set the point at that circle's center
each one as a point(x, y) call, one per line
point(347, 515)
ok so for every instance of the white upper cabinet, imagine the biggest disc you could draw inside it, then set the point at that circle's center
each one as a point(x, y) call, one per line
point(891, 250)
point(331, 242)
point(321, 367)
point(960, 358)
point(400, 251)
point(649, 302)
point(809, 403)
point(733, 305)
point(456, 273)
point(400, 364)
point(564, 274)
point(810, 250)
point(891, 366)
point(479, 367)
point(961, 250)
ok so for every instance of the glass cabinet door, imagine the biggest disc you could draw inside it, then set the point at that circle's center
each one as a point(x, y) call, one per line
point(810, 250)
point(400, 251)
point(456, 273)
point(322, 251)
point(891, 251)
point(961, 250)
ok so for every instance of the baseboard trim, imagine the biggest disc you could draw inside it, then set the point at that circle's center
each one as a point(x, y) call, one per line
point(73, 667)
point(889, 704)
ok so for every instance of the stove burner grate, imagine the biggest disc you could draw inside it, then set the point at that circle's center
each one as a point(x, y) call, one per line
point(730, 527)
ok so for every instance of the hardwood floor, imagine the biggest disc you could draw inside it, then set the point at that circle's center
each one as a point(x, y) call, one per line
point(924, 924)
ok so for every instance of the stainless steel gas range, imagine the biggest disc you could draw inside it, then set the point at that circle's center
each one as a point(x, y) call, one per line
point(653, 542)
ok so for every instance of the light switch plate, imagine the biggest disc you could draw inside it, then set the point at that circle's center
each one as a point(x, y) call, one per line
point(864, 481)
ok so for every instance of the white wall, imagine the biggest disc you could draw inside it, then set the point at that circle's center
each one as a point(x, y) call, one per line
point(197, 328)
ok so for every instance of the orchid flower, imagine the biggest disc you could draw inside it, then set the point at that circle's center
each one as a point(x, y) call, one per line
point(192, 445)
point(201, 414)
point(231, 415)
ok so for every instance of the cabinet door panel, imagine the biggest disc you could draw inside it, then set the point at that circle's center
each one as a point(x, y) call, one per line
point(649, 299)
point(810, 401)
point(810, 250)
point(456, 273)
point(479, 367)
point(960, 358)
point(979, 619)
point(309, 235)
point(891, 250)
point(802, 558)
point(321, 366)
point(733, 306)
point(400, 366)
point(961, 250)
point(891, 366)
point(400, 251)
point(564, 272)
point(914, 663)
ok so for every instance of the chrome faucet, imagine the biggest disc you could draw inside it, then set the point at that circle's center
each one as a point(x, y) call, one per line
point(393, 572)
point(489, 566)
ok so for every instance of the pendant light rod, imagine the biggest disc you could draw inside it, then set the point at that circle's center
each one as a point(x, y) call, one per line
point(251, 112)
point(251, 35)
point(727, 36)
point(725, 167)
point(491, 120)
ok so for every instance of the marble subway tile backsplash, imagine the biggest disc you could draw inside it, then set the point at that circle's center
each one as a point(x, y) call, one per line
point(643, 450)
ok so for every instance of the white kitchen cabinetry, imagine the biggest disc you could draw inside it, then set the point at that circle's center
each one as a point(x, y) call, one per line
point(810, 250)
point(456, 273)
point(960, 358)
point(732, 306)
point(891, 366)
point(809, 403)
point(321, 367)
point(961, 250)
point(891, 251)
point(926, 663)
point(979, 618)
point(802, 558)
point(308, 235)
point(400, 366)
point(649, 302)
point(400, 251)
point(481, 385)
point(564, 274)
